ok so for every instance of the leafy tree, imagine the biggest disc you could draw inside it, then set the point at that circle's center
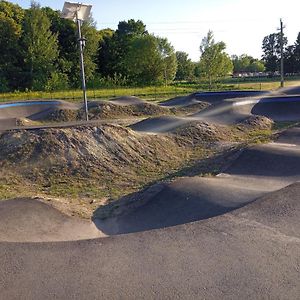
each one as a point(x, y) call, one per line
point(168, 56)
point(185, 67)
point(66, 31)
point(290, 60)
point(297, 54)
point(40, 45)
point(104, 54)
point(11, 17)
point(114, 48)
point(214, 62)
point(197, 71)
point(246, 63)
point(150, 60)
point(271, 51)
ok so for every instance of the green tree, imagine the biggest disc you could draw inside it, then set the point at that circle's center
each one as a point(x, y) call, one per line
point(40, 47)
point(214, 62)
point(290, 60)
point(11, 17)
point(271, 51)
point(150, 60)
point(246, 63)
point(168, 57)
point(104, 51)
point(114, 48)
point(185, 67)
point(66, 31)
point(297, 54)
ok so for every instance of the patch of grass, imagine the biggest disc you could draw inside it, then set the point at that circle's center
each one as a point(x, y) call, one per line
point(151, 93)
point(260, 136)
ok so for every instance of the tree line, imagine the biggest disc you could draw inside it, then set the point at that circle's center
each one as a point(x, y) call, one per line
point(272, 54)
point(39, 51)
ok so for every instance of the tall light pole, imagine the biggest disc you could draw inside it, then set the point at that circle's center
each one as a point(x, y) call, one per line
point(79, 12)
point(282, 55)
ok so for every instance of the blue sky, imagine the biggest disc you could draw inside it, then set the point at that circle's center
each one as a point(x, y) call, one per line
point(240, 24)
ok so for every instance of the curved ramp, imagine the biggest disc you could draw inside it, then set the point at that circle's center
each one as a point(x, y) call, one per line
point(181, 101)
point(251, 253)
point(160, 124)
point(279, 108)
point(28, 220)
point(212, 97)
point(216, 97)
point(184, 201)
point(257, 171)
point(32, 109)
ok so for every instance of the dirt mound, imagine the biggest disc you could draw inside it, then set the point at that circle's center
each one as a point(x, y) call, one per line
point(62, 115)
point(203, 132)
point(256, 122)
point(108, 110)
point(114, 154)
point(25, 122)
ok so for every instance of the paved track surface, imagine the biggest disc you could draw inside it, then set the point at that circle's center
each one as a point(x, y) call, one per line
point(26, 220)
point(235, 236)
point(251, 253)
point(257, 171)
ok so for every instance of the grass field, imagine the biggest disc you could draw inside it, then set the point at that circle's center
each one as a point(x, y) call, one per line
point(147, 93)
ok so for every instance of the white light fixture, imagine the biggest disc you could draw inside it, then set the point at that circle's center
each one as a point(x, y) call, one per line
point(79, 12)
point(74, 11)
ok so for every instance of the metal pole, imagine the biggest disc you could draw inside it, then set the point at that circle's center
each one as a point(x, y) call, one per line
point(281, 53)
point(81, 42)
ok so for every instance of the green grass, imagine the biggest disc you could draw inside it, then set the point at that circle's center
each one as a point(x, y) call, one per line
point(148, 93)
point(153, 93)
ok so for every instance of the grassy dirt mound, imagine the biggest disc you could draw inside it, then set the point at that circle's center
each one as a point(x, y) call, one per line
point(257, 122)
point(62, 115)
point(203, 132)
point(87, 161)
point(86, 166)
point(110, 110)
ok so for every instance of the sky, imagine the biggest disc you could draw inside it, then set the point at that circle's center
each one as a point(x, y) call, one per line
point(242, 25)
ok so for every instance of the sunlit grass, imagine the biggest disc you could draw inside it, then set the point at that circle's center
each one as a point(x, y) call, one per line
point(154, 93)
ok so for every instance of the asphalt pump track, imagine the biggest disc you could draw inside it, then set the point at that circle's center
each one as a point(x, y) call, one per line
point(233, 236)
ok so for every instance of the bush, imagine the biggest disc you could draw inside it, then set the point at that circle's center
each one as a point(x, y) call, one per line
point(3, 85)
point(57, 82)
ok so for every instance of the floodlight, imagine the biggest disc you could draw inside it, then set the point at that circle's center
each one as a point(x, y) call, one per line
point(76, 11)
point(79, 12)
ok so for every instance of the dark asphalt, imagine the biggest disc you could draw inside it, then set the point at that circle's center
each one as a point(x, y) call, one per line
point(242, 240)
point(252, 253)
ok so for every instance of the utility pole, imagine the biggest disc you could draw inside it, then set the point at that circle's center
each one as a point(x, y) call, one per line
point(281, 53)
point(81, 42)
